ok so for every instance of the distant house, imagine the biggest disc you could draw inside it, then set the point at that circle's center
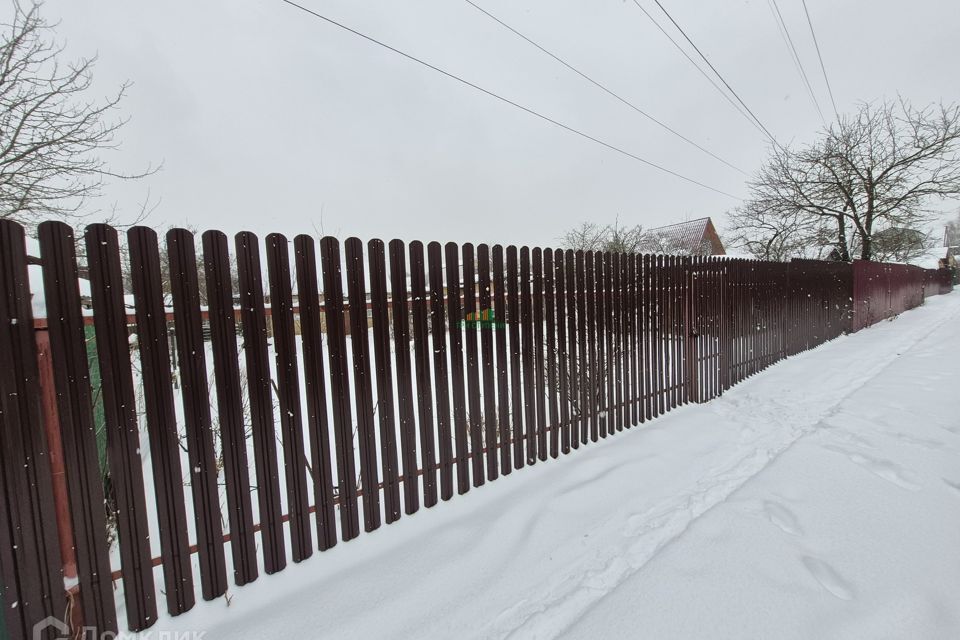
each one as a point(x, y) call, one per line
point(951, 241)
point(694, 238)
point(951, 235)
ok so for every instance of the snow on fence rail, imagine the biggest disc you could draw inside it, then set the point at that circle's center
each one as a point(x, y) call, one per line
point(472, 362)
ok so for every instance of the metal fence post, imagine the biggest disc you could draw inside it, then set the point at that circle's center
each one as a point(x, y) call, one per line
point(51, 424)
point(689, 319)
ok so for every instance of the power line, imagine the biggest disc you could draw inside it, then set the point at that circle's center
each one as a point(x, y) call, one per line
point(506, 100)
point(792, 50)
point(822, 67)
point(698, 67)
point(601, 86)
point(714, 69)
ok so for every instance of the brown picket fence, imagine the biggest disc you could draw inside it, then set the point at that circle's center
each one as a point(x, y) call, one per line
point(340, 389)
point(881, 291)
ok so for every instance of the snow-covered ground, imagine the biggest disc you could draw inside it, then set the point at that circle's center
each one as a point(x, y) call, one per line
point(819, 499)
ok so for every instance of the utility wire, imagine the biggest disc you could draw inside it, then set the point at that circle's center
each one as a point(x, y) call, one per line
point(506, 100)
point(822, 67)
point(714, 69)
point(792, 50)
point(601, 86)
point(698, 67)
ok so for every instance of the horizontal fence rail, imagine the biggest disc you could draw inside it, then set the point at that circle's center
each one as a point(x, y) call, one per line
point(303, 390)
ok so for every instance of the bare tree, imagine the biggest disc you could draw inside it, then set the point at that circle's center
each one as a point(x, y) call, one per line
point(882, 168)
point(587, 236)
point(897, 244)
point(769, 232)
point(51, 134)
point(166, 278)
point(590, 236)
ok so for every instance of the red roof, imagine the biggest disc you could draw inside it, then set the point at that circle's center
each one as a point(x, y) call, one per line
point(695, 237)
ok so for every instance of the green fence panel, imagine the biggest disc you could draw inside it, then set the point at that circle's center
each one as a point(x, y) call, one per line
point(99, 418)
point(3, 621)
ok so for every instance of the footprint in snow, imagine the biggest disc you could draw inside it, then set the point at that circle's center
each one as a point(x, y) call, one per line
point(953, 485)
point(924, 443)
point(637, 524)
point(828, 578)
point(852, 439)
point(886, 469)
point(781, 516)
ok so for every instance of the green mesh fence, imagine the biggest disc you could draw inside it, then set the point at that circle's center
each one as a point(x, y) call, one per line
point(3, 622)
point(99, 419)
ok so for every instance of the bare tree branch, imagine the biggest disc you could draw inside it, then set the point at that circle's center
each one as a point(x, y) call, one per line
point(868, 186)
point(51, 136)
point(590, 236)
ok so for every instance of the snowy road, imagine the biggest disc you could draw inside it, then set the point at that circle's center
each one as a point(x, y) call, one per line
point(819, 499)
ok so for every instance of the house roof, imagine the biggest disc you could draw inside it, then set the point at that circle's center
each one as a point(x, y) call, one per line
point(683, 237)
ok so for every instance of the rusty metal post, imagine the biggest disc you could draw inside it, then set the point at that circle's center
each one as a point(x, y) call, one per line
point(51, 423)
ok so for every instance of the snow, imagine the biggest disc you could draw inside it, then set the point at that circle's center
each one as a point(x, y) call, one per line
point(37, 296)
point(930, 258)
point(820, 498)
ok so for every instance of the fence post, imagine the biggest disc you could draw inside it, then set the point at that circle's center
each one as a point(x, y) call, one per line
point(30, 563)
point(51, 424)
point(689, 308)
point(726, 313)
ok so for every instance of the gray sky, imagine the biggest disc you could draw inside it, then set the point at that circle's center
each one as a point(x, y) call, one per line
point(263, 116)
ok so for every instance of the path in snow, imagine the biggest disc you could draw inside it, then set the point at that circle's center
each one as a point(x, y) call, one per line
point(865, 520)
point(820, 498)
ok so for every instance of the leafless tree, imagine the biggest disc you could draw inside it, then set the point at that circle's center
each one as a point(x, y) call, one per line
point(590, 236)
point(51, 134)
point(882, 168)
point(769, 232)
point(165, 277)
point(587, 236)
point(897, 244)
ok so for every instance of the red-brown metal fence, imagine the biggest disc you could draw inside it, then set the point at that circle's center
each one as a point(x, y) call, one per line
point(471, 362)
point(882, 290)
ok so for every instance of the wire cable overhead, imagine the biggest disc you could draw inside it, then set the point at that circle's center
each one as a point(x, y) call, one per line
point(794, 54)
point(714, 69)
point(516, 105)
point(823, 68)
point(601, 86)
point(698, 67)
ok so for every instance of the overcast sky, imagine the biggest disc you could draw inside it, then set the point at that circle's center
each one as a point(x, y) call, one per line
point(265, 117)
